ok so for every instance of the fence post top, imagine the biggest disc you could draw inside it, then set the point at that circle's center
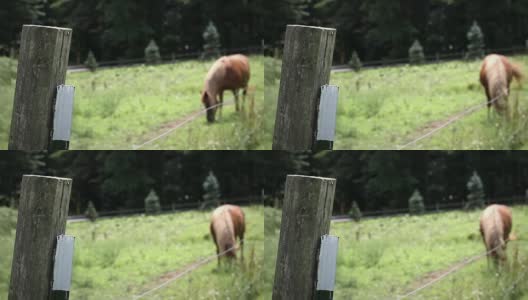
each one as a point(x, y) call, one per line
point(46, 27)
point(312, 27)
point(332, 180)
point(48, 178)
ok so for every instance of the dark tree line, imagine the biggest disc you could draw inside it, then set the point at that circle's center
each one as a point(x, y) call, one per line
point(117, 180)
point(123, 28)
point(380, 29)
point(374, 179)
point(386, 179)
point(375, 28)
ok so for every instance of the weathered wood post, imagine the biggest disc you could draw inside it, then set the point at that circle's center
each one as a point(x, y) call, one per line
point(306, 66)
point(42, 65)
point(306, 213)
point(42, 214)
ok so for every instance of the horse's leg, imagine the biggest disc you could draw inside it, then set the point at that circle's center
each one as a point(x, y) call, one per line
point(244, 96)
point(221, 104)
point(217, 253)
point(211, 229)
point(235, 93)
point(508, 110)
point(242, 246)
point(488, 104)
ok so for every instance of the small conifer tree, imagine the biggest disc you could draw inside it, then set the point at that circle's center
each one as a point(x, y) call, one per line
point(152, 53)
point(475, 42)
point(91, 62)
point(211, 188)
point(152, 203)
point(91, 212)
point(476, 195)
point(355, 212)
point(416, 54)
point(416, 203)
point(355, 62)
point(211, 39)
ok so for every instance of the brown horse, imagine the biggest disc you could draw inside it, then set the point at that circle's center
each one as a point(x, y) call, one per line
point(495, 228)
point(227, 73)
point(228, 223)
point(496, 76)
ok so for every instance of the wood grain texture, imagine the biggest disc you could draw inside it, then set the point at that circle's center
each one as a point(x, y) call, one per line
point(42, 215)
point(306, 67)
point(42, 66)
point(306, 213)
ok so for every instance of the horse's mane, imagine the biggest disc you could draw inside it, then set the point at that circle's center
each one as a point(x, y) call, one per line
point(216, 71)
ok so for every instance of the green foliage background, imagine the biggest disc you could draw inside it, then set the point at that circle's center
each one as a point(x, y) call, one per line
point(125, 107)
point(396, 255)
point(124, 257)
point(386, 108)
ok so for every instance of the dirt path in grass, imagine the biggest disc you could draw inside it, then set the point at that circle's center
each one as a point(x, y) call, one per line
point(421, 281)
point(172, 124)
point(169, 276)
point(168, 127)
point(430, 127)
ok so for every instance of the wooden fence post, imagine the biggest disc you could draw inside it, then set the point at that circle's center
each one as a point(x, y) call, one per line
point(42, 65)
point(306, 213)
point(306, 66)
point(42, 214)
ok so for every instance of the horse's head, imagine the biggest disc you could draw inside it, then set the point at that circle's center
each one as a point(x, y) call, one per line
point(231, 253)
point(209, 103)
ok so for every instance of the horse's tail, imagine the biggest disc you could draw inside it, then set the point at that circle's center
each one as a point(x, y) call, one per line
point(517, 72)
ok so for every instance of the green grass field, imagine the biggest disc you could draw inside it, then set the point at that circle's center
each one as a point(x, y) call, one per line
point(125, 107)
point(396, 255)
point(385, 108)
point(123, 257)
point(382, 108)
point(389, 107)
point(7, 90)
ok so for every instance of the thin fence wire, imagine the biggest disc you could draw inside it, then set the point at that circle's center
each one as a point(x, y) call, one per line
point(432, 59)
point(436, 208)
point(189, 270)
point(170, 58)
point(169, 209)
point(453, 270)
point(459, 116)
point(189, 119)
point(186, 121)
point(507, 291)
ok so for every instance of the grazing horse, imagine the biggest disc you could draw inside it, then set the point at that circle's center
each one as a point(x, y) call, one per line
point(495, 228)
point(496, 76)
point(228, 223)
point(227, 73)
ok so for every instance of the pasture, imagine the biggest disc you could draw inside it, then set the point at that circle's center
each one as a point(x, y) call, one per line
point(120, 258)
point(396, 255)
point(121, 108)
point(385, 108)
